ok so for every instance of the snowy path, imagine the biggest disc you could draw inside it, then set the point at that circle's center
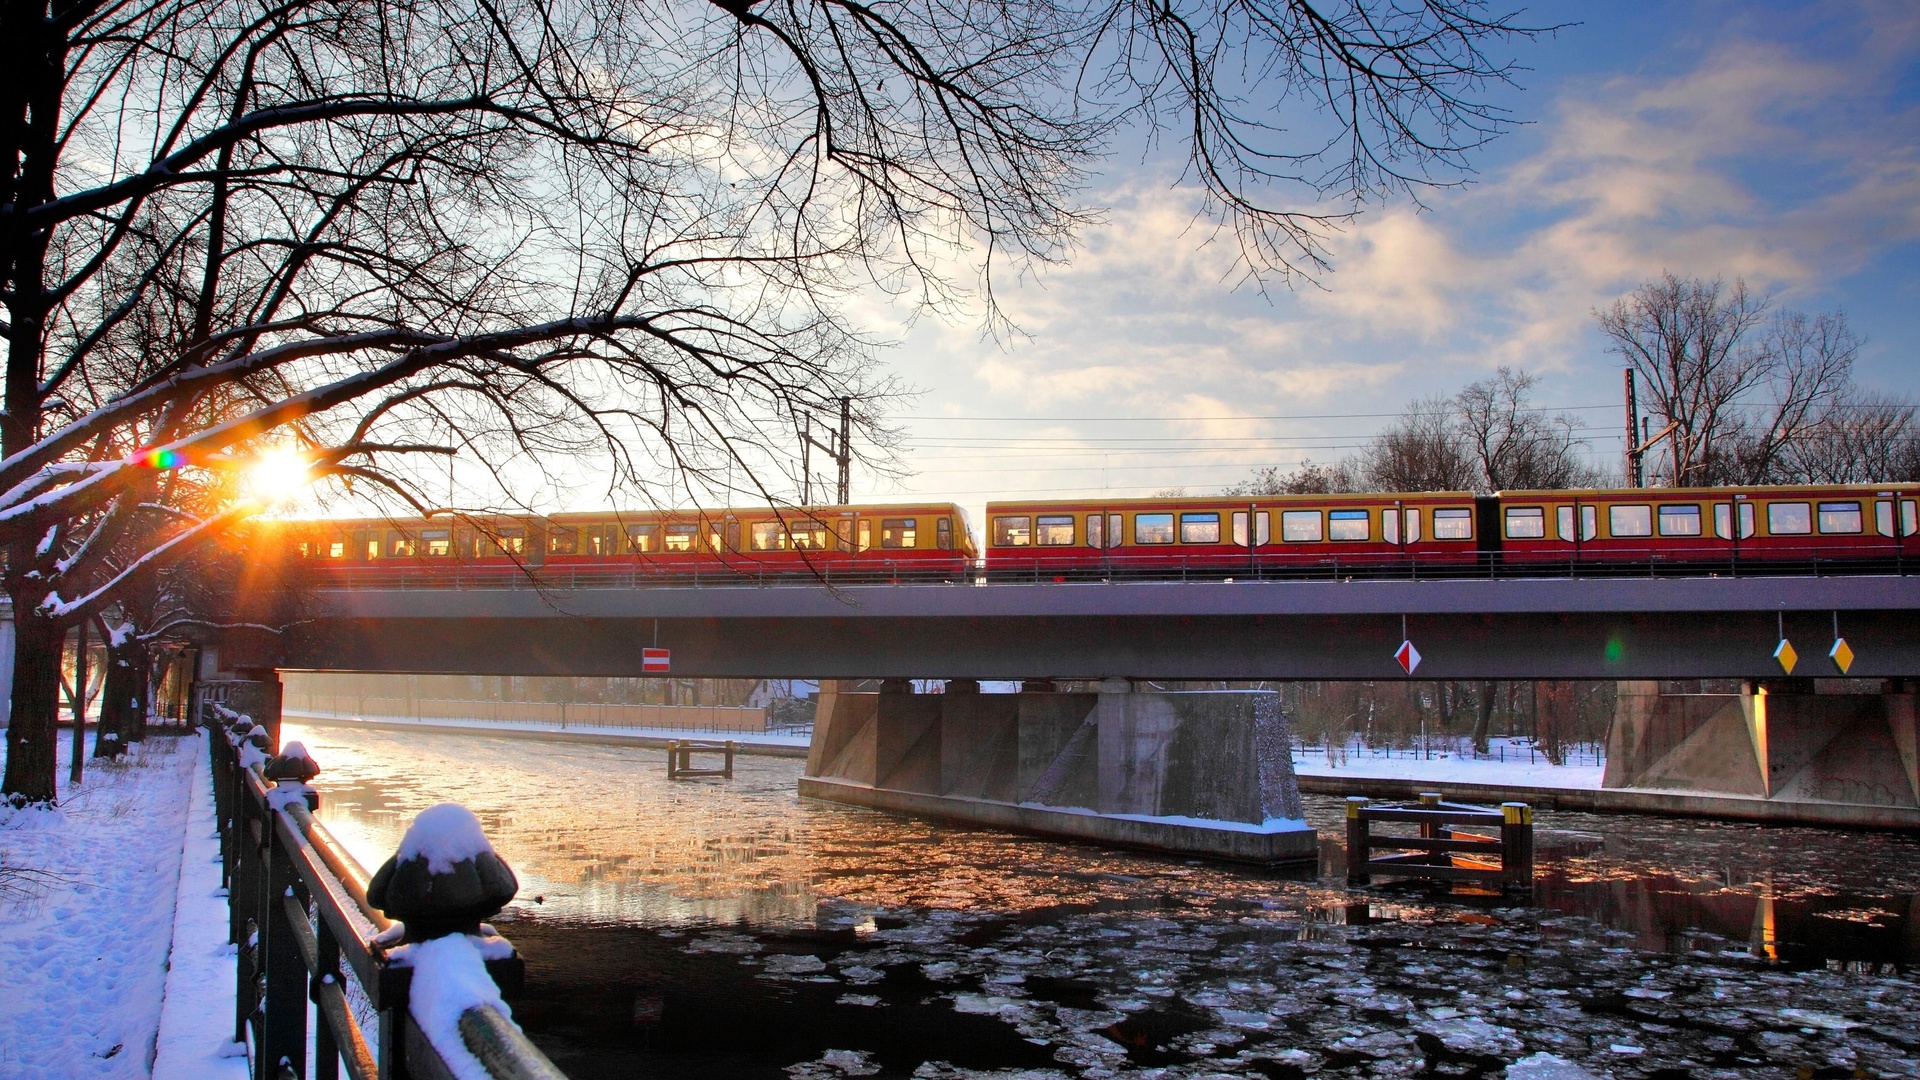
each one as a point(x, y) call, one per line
point(83, 951)
point(1441, 769)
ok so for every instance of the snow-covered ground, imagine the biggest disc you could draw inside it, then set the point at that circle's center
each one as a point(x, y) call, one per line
point(88, 917)
point(1513, 762)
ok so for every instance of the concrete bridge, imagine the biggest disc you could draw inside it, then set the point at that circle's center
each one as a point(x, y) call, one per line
point(1508, 628)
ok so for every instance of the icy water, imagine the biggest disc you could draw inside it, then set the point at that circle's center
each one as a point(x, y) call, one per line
point(729, 928)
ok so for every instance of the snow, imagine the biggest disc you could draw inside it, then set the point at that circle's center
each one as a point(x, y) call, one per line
point(196, 1032)
point(450, 977)
point(444, 835)
point(84, 949)
point(1521, 768)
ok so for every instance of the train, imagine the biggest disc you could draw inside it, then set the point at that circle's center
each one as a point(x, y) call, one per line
point(1624, 530)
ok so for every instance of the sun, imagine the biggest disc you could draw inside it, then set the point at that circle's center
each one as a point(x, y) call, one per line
point(278, 476)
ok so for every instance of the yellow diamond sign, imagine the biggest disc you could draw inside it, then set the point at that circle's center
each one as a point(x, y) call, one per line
point(1786, 656)
point(1841, 654)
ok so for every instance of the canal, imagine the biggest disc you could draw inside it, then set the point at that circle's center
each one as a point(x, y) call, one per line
point(728, 928)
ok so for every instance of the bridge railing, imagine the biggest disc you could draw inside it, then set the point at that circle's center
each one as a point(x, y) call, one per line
point(1025, 569)
point(306, 932)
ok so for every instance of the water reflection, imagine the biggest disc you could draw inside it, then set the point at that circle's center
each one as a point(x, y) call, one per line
point(599, 835)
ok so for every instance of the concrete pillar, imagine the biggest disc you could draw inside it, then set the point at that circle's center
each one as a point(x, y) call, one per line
point(1776, 739)
point(906, 755)
point(979, 743)
point(1058, 749)
point(843, 734)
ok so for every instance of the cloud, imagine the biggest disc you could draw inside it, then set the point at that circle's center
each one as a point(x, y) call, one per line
point(1791, 163)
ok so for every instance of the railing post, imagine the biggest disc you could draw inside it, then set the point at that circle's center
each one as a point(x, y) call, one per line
point(1430, 831)
point(1516, 846)
point(1358, 841)
point(282, 1049)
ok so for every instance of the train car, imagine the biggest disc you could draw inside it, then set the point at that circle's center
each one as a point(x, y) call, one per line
point(1267, 535)
point(1635, 527)
point(908, 541)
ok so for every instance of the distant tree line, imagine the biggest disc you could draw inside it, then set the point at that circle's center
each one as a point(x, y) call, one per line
point(1732, 391)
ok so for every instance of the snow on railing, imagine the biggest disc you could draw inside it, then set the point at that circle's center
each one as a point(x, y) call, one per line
point(405, 978)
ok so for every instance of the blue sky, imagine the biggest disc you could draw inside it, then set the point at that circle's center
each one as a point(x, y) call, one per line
point(1775, 142)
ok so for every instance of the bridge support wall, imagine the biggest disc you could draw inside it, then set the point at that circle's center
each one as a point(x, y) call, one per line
point(1776, 740)
point(1198, 773)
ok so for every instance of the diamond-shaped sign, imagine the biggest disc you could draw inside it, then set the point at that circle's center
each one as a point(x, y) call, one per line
point(1841, 654)
point(1786, 655)
point(1408, 656)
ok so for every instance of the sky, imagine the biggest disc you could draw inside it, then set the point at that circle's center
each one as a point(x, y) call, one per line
point(1779, 143)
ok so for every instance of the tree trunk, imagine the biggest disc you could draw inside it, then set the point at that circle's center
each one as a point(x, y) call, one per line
point(1482, 717)
point(32, 748)
point(78, 704)
point(123, 703)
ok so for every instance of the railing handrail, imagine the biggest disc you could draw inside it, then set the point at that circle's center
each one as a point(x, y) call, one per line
point(295, 893)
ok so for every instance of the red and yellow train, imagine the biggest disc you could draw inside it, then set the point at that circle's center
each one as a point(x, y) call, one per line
point(1519, 532)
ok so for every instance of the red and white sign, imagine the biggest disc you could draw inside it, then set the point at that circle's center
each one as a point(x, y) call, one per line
point(1408, 656)
point(656, 661)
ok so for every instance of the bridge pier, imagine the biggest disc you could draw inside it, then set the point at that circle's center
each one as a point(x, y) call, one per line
point(1781, 740)
point(1194, 773)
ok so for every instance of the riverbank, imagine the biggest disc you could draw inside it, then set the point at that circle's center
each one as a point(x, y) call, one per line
point(108, 905)
point(762, 743)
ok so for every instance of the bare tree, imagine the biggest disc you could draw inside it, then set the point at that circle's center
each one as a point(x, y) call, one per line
point(1514, 445)
point(1421, 451)
point(1736, 387)
point(555, 230)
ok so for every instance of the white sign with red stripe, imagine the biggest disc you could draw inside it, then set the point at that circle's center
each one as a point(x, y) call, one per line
point(1408, 656)
point(656, 661)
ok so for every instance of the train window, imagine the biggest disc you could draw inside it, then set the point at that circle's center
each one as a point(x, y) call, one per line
point(1349, 525)
point(1563, 522)
point(767, 536)
point(811, 536)
point(903, 532)
point(1413, 525)
point(681, 536)
point(1530, 522)
point(1199, 528)
point(643, 539)
point(1682, 520)
point(843, 533)
point(1629, 521)
point(336, 549)
point(1909, 520)
point(563, 540)
point(1053, 530)
point(304, 549)
point(400, 545)
point(438, 542)
point(513, 541)
point(1390, 526)
point(866, 535)
point(1883, 517)
point(599, 540)
point(1453, 524)
point(1789, 519)
point(1153, 528)
point(1840, 517)
point(1299, 526)
point(1262, 528)
point(1015, 531)
point(733, 536)
point(943, 533)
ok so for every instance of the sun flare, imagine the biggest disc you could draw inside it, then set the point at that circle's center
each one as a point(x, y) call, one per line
point(278, 476)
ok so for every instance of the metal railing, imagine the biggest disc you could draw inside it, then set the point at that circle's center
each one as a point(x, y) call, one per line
point(1022, 569)
point(305, 932)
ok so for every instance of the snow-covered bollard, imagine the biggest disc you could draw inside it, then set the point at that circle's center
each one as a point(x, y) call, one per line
point(290, 770)
point(445, 878)
point(443, 881)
